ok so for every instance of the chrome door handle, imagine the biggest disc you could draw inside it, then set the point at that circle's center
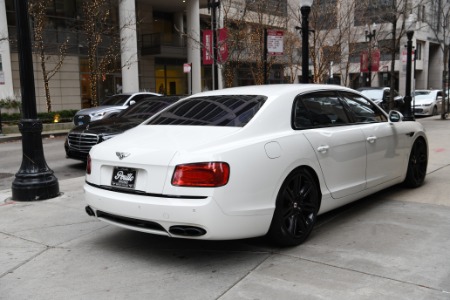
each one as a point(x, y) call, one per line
point(371, 139)
point(323, 149)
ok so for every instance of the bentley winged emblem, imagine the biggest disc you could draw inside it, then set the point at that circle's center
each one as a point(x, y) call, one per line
point(122, 155)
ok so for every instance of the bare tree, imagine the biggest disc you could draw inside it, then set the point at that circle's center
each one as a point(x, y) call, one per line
point(391, 15)
point(332, 36)
point(103, 42)
point(247, 22)
point(37, 9)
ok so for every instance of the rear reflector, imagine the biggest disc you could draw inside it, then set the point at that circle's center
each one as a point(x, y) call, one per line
point(209, 174)
point(88, 165)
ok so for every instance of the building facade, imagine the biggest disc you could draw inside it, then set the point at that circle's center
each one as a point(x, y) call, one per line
point(157, 39)
point(154, 49)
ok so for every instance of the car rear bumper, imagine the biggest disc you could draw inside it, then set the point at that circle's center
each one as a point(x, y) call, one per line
point(162, 215)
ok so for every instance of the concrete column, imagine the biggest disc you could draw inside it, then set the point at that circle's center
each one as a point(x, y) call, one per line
point(129, 53)
point(193, 43)
point(179, 27)
point(6, 78)
point(220, 81)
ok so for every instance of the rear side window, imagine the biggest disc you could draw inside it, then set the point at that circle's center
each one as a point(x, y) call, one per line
point(224, 110)
point(320, 109)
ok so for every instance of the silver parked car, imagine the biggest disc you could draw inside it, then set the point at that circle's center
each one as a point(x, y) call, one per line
point(428, 102)
point(110, 107)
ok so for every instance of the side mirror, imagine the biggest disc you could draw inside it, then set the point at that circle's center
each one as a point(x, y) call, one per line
point(395, 116)
point(132, 102)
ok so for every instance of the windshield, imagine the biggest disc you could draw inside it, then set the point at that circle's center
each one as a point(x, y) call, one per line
point(419, 93)
point(147, 108)
point(115, 100)
point(373, 94)
point(225, 110)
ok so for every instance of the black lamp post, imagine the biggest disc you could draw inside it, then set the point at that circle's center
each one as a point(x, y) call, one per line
point(369, 37)
point(408, 116)
point(305, 9)
point(34, 180)
point(214, 4)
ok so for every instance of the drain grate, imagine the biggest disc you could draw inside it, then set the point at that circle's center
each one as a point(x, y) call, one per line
point(5, 175)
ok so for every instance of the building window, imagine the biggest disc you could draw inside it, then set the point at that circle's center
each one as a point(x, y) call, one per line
point(370, 11)
point(418, 51)
point(326, 14)
point(272, 7)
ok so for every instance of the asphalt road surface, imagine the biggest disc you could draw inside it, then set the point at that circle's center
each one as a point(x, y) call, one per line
point(55, 156)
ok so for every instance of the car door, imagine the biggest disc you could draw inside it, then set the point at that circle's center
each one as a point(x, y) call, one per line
point(339, 147)
point(385, 144)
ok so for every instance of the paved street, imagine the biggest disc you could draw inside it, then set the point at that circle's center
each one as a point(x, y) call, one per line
point(392, 245)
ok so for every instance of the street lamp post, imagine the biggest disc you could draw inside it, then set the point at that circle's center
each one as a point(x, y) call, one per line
point(369, 37)
point(305, 9)
point(409, 34)
point(214, 5)
point(34, 180)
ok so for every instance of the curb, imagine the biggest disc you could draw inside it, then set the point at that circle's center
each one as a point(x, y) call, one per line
point(16, 137)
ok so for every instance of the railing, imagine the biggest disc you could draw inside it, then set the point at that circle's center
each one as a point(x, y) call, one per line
point(151, 43)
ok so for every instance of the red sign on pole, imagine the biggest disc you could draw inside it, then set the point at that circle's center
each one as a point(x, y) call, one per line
point(187, 68)
point(223, 47)
point(207, 47)
point(375, 56)
point(364, 61)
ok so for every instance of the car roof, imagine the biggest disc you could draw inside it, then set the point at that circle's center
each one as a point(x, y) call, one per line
point(372, 88)
point(274, 90)
point(136, 93)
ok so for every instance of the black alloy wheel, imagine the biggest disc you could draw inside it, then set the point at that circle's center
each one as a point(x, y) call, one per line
point(417, 165)
point(296, 209)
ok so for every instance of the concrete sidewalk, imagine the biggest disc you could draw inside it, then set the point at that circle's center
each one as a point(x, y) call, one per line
point(392, 245)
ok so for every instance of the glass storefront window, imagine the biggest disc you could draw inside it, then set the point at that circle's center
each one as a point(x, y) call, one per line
point(170, 78)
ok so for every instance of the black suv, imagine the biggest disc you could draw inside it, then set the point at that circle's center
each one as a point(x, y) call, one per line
point(82, 138)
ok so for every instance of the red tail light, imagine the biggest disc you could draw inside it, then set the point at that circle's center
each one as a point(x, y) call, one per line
point(209, 174)
point(88, 165)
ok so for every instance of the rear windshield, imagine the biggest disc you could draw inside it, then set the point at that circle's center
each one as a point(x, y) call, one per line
point(420, 93)
point(147, 107)
point(115, 100)
point(224, 110)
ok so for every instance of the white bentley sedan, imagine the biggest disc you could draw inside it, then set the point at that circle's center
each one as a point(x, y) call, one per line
point(252, 161)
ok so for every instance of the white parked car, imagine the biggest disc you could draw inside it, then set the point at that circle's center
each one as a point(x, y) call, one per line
point(252, 161)
point(428, 102)
point(111, 106)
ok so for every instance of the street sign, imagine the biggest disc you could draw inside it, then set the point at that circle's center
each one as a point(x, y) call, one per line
point(405, 56)
point(275, 42)
point(187, 68)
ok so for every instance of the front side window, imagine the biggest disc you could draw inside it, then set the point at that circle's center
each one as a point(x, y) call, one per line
point(225, 110)
point(362, 110)
point(320, 109)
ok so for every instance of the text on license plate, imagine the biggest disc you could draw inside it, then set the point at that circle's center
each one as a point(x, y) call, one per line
point(123, 177)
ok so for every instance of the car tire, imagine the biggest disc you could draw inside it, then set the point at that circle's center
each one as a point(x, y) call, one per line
point(417, 164)
point(296, 209)
point(435, 111)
